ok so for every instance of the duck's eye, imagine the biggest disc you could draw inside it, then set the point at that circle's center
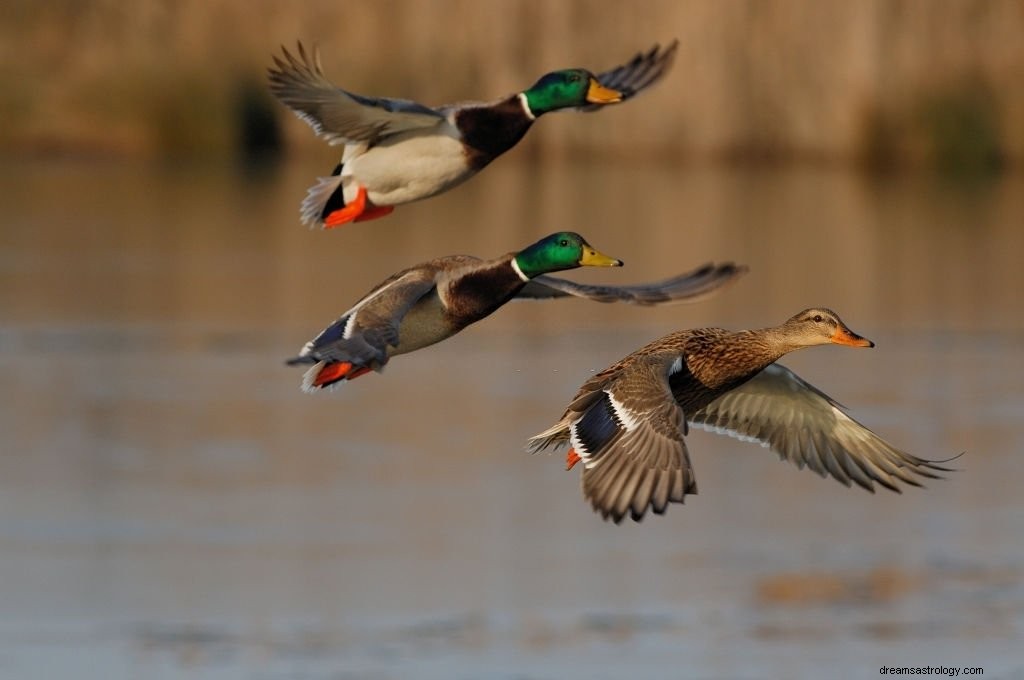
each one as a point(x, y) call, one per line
point(564, 242)
point(817, 318)
point(574, 78)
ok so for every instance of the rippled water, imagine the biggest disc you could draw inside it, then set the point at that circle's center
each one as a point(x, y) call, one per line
point(172, 506)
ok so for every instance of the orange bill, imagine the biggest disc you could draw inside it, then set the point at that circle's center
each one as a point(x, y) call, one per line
point(592, 258)
point(844, 336)
point(599, 94)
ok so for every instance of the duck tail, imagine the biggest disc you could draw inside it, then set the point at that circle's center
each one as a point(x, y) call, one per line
point(322, 199)
point(554, 436)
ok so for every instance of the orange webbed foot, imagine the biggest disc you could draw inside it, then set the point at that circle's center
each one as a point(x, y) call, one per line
point(343, 370)
point(358, 372)
point(571, 458)
point(374, 212)
point(332, 373)
point(350, 213)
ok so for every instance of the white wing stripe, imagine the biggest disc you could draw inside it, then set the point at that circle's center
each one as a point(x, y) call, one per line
point(718, 429)
point(625, 417)
point(580, 449)
point(350, 324)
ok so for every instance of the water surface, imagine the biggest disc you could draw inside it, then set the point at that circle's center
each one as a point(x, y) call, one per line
point(172, 506)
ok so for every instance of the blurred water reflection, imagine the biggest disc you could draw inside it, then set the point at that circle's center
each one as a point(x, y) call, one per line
point(171, 504)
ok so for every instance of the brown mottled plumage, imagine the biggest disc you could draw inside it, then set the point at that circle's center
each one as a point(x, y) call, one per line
point(627, 423)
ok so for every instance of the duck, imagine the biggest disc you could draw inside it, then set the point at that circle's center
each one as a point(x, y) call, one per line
point(432, 301)
point(396, 151)
point(627, 423)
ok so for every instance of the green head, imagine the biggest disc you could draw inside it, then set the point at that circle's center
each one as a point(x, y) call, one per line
point(564, 250)
point(567, 89)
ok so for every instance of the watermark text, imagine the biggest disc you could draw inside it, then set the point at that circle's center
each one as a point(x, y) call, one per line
point(951, 671)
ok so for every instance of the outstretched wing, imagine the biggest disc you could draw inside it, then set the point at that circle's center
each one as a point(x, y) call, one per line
point(628, 432)
point(639, 73)
point(336, 115)
point(805, 426)
point(686, 287)
point(362, 335)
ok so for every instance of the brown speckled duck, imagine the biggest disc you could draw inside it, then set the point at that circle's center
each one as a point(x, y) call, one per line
point(627, 423)
point(434, 300)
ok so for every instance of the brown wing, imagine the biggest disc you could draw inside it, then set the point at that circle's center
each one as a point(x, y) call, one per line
point(630, 439)
point(805, 426)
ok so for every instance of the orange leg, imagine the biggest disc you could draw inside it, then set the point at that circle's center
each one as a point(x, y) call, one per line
point(332, 373)
point(571, 458)
point(358, 372)
point(374, 211)
point(349, 213)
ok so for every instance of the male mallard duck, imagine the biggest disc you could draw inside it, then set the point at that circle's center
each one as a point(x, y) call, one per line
point(627, 422)
point(397, 151)
point(433, 301)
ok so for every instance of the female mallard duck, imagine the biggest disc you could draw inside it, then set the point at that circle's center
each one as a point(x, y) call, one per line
point(433, 301)
point(627, 422)
point(397, 151)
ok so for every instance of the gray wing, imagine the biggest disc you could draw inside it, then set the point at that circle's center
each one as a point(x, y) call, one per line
point(362, 335)
point(686, 287)
point(803, 425)
point(630, 439)
point(336, 115)
point(639, 73)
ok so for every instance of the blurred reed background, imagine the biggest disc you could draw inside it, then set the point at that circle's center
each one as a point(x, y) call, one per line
point(876, 82)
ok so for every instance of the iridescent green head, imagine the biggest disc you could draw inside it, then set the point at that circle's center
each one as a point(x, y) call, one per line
point(567, 89)
point(564, 250)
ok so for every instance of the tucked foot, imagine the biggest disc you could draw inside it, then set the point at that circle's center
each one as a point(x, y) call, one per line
point(374, 211)
point(571, 458)
point(358, 372)
point(331, 373)
point(350, 213)
point(325, 375)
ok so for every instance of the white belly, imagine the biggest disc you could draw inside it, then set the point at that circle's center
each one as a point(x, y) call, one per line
point(407, 168)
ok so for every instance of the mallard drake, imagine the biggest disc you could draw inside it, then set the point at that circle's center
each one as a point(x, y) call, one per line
point(627, 423)
point(434, 300)
point(397, 151)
